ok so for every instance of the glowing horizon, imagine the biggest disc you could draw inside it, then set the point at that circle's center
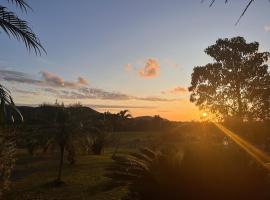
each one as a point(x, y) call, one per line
point(123, 55)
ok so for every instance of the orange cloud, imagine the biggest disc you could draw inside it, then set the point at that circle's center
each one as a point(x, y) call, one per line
point(57, 81)
point(178, 89)
point(150, 69)
point(82, 81)
point(129, 67)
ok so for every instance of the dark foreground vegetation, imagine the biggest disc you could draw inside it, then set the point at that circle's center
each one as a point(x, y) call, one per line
point(184, 161)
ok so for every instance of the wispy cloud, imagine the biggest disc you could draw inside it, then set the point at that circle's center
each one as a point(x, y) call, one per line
point(54, 85)
point(94, 93)
point(176, 90)
point(104, 106)
point(26, 92)
point(150, 69)
point(267, 28)
point(57, 81)
point(46, 79)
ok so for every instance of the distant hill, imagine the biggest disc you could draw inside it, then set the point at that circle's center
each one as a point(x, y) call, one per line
point(149, 118)
point(33, 114)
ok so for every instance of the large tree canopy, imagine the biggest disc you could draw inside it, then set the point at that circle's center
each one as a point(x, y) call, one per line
point(236, 84)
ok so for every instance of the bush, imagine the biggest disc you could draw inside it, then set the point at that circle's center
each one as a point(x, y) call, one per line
point(148, 174)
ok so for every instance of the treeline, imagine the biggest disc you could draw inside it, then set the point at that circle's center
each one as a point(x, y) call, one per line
point(112, 122)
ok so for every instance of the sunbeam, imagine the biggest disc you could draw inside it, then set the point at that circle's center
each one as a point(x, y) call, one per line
point(260, 156)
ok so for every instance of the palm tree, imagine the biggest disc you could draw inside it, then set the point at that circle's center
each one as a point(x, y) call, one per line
point(9, 114)
point(59, 126)
point(12, 25)
point(124, 114)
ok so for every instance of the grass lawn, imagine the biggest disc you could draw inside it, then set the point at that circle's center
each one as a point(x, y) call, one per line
point(85, 180)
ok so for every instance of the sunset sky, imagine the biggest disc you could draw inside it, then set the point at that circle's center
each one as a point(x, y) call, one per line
point(123, 54)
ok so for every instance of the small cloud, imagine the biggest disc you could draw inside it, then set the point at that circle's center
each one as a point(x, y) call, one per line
point(178, 89)
point(267, 28)
point(150, 69)
point(52, 79)
point(82, 81)
point(129, 67)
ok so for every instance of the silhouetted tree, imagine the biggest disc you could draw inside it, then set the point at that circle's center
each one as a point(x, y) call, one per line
point(124, 114)
point(60, 126)
point(228, 86)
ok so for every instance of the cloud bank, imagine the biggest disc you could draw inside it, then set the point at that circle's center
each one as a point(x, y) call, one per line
point(52, 84)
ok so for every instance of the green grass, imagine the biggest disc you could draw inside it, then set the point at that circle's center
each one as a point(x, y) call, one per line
point(85, 180)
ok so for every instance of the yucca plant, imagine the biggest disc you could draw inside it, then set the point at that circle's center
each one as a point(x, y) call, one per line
point(148, 174)
point(9, 114)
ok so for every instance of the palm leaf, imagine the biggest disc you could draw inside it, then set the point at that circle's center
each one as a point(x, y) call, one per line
point(245, 10)
point(242, 14)
point(19, 29)
point(8, 109)
point(21, 3)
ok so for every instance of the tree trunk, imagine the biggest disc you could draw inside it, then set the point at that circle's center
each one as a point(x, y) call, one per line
point(61, 163)
point(240, 104)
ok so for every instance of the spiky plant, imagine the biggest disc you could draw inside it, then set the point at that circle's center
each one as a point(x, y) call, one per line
point(9, 114)
point(148, 174)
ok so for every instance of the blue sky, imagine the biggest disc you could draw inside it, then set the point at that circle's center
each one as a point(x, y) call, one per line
point(97, 39)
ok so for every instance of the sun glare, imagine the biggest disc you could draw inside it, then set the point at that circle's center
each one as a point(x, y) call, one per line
point(204, 114)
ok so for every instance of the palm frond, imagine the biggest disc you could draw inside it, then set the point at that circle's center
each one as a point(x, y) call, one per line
point(242, 14)
point(19, 29)
point(9, 112)
point(21, 3)
point(244, 11)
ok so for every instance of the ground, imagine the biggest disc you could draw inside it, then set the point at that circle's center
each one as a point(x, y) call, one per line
point(85, 180)
point(210, 167)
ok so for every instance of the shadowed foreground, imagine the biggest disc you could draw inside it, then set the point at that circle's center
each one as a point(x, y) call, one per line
point(209, 170)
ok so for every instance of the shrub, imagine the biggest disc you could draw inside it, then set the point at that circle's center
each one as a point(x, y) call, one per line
point(148, 174)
